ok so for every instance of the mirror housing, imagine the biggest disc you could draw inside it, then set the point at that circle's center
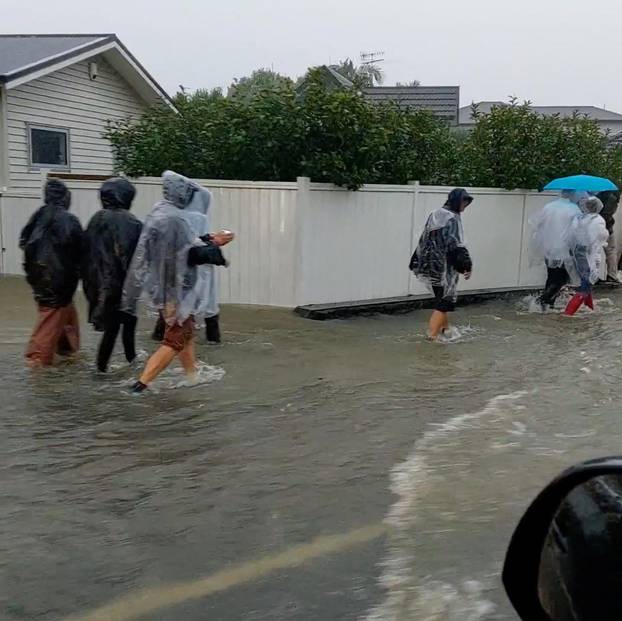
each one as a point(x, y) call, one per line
point(521, 569)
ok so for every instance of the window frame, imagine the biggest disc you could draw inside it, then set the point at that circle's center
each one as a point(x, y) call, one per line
point(50, 128)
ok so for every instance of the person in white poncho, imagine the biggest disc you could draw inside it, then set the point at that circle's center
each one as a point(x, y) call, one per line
point(549, 242)
point(586, 238)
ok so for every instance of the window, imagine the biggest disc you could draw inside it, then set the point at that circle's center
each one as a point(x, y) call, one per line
point(49, 147)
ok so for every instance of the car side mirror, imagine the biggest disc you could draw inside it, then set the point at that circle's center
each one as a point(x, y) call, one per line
point(564, 561)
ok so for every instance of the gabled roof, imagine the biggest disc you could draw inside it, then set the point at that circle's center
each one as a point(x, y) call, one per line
point(341, 79)
point(442, 101)
point(30, 56)
point(592, 112)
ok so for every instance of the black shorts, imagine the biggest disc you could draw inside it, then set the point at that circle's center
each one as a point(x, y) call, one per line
point(443, 304)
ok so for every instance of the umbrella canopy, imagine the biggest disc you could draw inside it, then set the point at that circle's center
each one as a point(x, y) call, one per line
point(582, 183)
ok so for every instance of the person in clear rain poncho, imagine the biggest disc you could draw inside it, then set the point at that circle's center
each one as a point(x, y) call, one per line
point(52, 244)
point(441, 257)
point(586, 239)
point(197, 216)
point(110, 240)
point(549, 242)
point(165, 271)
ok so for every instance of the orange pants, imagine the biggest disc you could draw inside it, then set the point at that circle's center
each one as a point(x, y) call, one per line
point(57, 332)
point(177, 336)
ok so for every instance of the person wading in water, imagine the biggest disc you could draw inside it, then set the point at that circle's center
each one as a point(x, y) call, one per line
point(110, 240)
point(52, 244)
point(441, 257)
point(165, 268)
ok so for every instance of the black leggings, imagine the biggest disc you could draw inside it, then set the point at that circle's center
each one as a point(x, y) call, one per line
point(111, 331)
point(557, 278)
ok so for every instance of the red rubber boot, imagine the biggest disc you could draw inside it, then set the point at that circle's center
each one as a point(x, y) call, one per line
point(574, 304)
point(589, 301)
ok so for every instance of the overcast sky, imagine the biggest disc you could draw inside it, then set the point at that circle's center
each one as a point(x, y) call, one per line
point(565, 52)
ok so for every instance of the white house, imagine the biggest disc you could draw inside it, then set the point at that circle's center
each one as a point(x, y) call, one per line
point(57, 93)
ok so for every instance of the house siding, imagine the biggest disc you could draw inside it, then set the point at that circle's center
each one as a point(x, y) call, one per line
point(71, 100)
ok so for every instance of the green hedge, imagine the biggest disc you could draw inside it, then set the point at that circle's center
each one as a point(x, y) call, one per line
point(339, 137)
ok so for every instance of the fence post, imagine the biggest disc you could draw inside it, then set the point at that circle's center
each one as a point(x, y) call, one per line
point(303, 200)
point(413, 232)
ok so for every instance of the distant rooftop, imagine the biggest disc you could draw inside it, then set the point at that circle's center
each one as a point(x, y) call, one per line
point(442, 101)
point(593, 112)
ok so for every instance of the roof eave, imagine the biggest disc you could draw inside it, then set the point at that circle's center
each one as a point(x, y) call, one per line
point(106, 45)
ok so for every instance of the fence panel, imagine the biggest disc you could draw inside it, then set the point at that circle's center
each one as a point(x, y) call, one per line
point(15, 213)
point(356, 245)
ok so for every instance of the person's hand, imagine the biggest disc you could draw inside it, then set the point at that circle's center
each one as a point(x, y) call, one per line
point(467, 275)
point(222, 238)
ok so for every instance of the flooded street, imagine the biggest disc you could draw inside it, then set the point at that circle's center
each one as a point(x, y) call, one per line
point(399, 467)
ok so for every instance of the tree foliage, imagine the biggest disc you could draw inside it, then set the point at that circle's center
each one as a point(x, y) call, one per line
point(365, 75)
point(513, 146)
point(260, 81)
point(339, 137)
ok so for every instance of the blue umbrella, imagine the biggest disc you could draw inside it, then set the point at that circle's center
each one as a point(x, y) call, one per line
point(585, 183)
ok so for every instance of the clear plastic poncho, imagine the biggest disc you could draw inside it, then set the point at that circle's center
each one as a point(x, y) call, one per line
point(430, 263)
point(197, 216)
point(549, 230)
point(586, 238)
point(159, 270)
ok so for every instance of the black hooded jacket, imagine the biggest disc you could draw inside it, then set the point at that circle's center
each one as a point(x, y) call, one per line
point(110, 241)
point(52, 244)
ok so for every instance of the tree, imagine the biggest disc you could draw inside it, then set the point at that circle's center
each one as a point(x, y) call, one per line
point(363, 76)
point(410, 83)
point(247, 88)
point(514, 147)
point(337, 136)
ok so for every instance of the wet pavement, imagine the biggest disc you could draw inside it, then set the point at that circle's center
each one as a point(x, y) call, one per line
point(300, 430)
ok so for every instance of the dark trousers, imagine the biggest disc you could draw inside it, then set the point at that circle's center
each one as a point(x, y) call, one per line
point(111, 331)
point(557, 278)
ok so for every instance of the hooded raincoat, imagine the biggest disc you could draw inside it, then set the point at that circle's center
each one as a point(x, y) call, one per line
point(52, 244)
point(549, 230)
point(160, 270)
point(586, 238)
point(441, 255)
point(110, 240)
point(197, 216)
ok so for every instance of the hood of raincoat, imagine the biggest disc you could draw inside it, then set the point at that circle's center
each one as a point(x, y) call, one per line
point(52, 244)
point(591, 204)
point(455, 198)
point(109, 244)
point(196, 213)
point(177, 189)
point(117, 193)
point(57, 193)
point(159, 270)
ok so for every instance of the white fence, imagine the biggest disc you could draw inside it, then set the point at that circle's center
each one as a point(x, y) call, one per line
point(305, 243)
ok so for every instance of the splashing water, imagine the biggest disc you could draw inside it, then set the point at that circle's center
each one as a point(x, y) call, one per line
point(458, 334)
point(205, 374)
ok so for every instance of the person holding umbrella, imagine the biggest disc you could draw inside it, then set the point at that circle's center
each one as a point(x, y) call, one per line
point(550, 231)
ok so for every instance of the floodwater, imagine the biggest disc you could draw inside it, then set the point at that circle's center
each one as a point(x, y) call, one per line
point(300, 430)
